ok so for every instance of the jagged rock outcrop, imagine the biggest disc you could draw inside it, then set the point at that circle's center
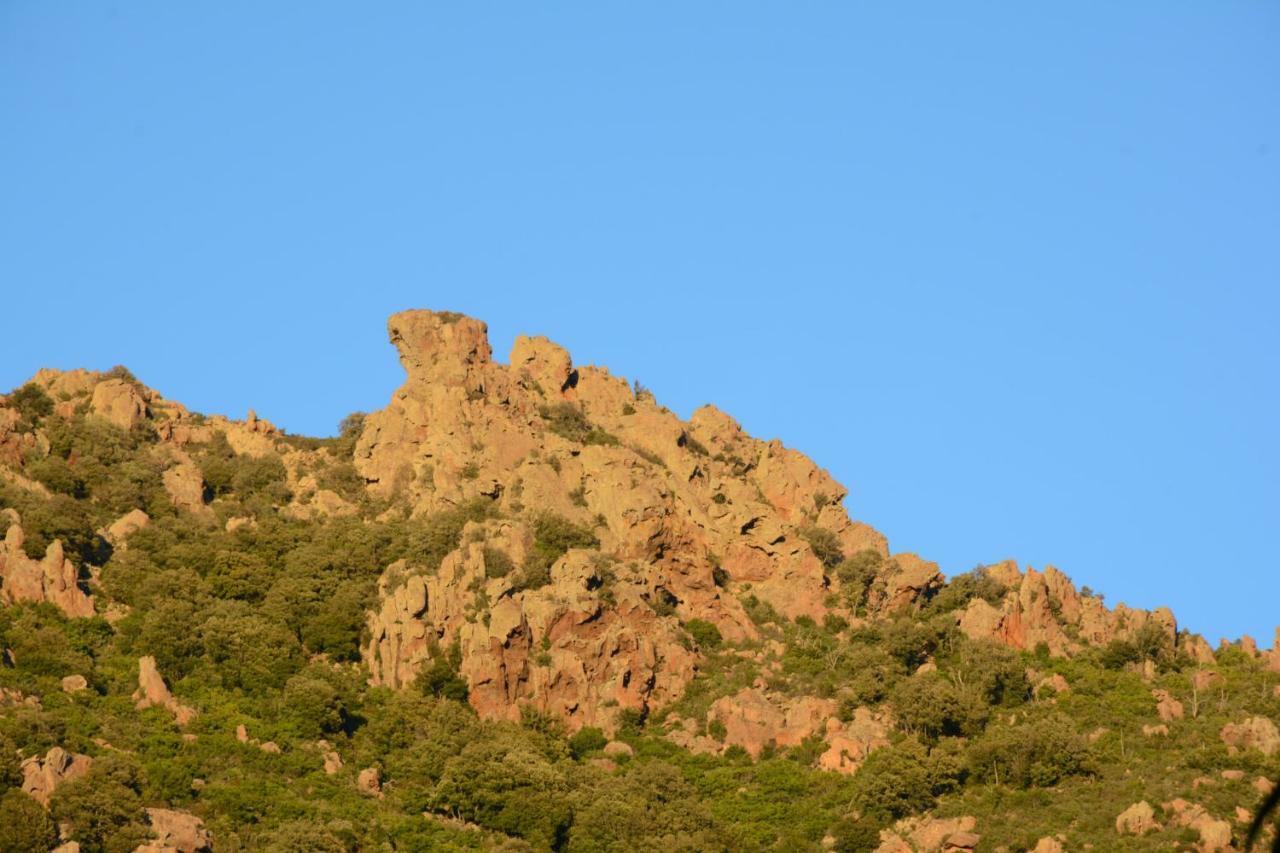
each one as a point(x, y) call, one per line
point(684, 512)
point(42, 776)
point(561, 649)
point(1045, 608)
point(153, 692)
point(54, 578)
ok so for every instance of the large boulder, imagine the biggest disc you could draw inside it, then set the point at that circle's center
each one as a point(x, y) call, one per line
point(1138, 819)
point(1258, 733)
point(179, 831)
point(153, 692)
point(120, 402)
point(42, 776)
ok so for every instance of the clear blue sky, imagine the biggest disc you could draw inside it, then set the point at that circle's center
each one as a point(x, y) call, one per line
point(1010, 271)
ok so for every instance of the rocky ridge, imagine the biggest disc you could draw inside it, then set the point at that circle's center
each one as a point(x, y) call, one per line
point(688, 516)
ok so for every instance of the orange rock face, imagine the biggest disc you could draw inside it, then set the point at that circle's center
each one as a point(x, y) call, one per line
point(53, 579)
point(688, 515)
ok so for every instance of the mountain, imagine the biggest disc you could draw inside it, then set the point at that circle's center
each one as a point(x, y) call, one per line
point(525, 605)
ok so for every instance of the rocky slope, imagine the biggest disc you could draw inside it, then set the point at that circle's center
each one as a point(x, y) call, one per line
point(570, 551)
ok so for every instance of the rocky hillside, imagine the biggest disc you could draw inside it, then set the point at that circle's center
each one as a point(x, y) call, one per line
point(527, 605)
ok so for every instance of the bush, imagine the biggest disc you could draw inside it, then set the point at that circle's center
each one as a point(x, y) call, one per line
point(249, 651)
point(855, 836)
point(824, 544)
point(496, 563)
point(588, 739)
point(24, 824)
point(929, 706)
point(313, 706)
point(441, 678)
point(432, 538)
point(857, 574)
point(103, 807)
point(553, 536)
point(896, 781)
point(504, 782)
point(1037, 753)
point(32, 403)
point(704, 633)
point(962, 589)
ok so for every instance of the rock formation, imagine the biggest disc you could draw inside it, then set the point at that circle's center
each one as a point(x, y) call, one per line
point(54, 579)
point(41, 776)
point(1257, 733)
point(1045, 608)
point(176, 831)
point(681, 510)
point(119, 402)
point(1138, 819)
point(152, 691)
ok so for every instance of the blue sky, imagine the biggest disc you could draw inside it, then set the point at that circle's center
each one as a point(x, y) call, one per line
point(1010, 271)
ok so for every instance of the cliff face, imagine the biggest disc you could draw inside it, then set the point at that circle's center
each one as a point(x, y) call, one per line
point(685, 513)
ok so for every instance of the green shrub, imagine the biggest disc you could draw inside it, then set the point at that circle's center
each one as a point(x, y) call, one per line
point(704, 633)
point(588, 739)
point(432, 538)
point(824, 543)
point(962, 589)
point(504, 782)
point(440, 678)
point(103, 807)
point(24, 824)
point(250, 652)
point(1036, 753)
point(553, 536)
point(313, 706)
point(857, 574)
point(900, 780)
point(32, 403)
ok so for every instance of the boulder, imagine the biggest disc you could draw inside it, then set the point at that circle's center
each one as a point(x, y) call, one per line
point(1214, 834)
point(119, 402)
point(74, 684)
point(369, 782)
point(618, 749)
point(1253, 733)
point(179, 830)
point(41, 776)
point(125, 526)
point(1138, 819)
point(185, 486)
point(1167, 708)
point(152, 691)
point(958, 842)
